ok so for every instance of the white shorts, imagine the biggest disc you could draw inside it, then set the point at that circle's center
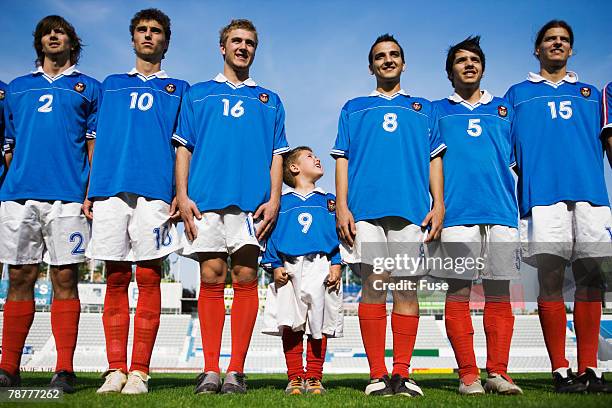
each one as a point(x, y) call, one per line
point(385, 237)
point(221, 231)
point(33, 231)
point(570, 230)
point(476, 251)
point(304, 303)
point(131, 228)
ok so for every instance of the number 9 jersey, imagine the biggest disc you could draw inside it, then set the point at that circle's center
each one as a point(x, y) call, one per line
point(558, 148)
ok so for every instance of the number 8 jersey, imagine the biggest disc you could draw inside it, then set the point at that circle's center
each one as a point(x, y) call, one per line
point(558, 149)
point(134, 151)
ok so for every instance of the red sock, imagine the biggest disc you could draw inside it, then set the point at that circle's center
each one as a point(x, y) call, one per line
point(587, 318)
point(18, 317)
point(293, 347)
point(65, 316)
point(315, 357)
point(373, 326)
point(498, 325)
point(404, 329)
point(211, 312)
point(460, 333)
point(146, 320)
point(116, 317)
point(244, 314)
point(554, 322)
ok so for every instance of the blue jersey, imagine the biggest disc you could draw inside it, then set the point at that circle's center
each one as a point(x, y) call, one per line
point(134, 151)
point(388, 142)
point(558, 150)
point(305, 225)
point(478, 183)
point(607, 106)
point(232, 132)
point(2, 95)
point(48, 121)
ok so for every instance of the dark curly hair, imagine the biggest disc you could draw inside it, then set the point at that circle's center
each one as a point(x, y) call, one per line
point(53, 22)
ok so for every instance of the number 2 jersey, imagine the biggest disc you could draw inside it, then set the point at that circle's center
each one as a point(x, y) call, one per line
point(232, 131)
point(48, 121)
point(558, 147)
point(305, 225)
point(478, 183)
point(388, 141)
point(134, 151)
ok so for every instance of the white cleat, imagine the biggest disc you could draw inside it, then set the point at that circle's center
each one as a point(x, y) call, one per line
point(498, 384)
point(474, 388)
point(114, 380)
point(137, 383)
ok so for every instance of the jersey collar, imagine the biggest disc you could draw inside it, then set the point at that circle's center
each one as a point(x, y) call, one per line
point(485, 98)
point(571, 78)
point(159, 74)
point(389, 97)
point(290, 190)
point(222, 79)
point(70, 71)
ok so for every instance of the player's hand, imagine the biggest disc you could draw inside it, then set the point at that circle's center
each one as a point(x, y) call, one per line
point(435, 218)
point(188, 210)
point(281, 277)
point(334, 279)
point(345, 225)
point(87, 209)
point(268, 212)
point(175, 214)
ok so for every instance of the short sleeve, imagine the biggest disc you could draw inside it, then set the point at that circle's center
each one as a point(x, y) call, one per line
point(436, 143)
point(185, 134)
point(341, 145)
point(606, 106)
point(271, 258)
point(9, 125)
point(280, 138)
point(94, 108)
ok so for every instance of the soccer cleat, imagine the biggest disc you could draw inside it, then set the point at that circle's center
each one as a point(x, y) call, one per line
point(314, 386)
point(406, 387)
point(234, 383)
point(208, 383)
point(64, 380)
point(137, 383)
point(501, 384)
point(565, 381)
point(295, 386)
point(379, 387)
point(594, 380)
point(9, 380)
point(470, 388)
point(114, 380)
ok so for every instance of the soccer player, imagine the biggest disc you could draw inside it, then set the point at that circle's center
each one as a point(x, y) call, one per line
point(231, 135)
point(50, 126)
point(132, 191)
point(481, 216)
point(563, 203)
point(606, 132)
point(388, 155)
point(304, 255)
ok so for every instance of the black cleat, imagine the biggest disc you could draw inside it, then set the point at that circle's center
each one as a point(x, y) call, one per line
point(594, 381)
point(234, 383)
point(566, 382)
point(208, 383)
point(64, 380)
point(380, 387)
point(9, 380)
point(405, 386)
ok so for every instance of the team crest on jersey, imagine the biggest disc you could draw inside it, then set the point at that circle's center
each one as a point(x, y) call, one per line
point(170, 88)
point(331, 205)
point(79, 87)
point(502, 111)
point(585, 91)
point(264, 97)
point(1, 94)
point(417, 106)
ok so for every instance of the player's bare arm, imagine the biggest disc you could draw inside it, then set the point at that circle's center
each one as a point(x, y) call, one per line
point(269, 210)
point(435, 217)
point(8, 158)
point(87, 204)
point(186, 206)
point(606, 136)
point(345, 223)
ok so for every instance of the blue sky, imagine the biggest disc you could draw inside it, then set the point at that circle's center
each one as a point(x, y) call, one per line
point(314, 54)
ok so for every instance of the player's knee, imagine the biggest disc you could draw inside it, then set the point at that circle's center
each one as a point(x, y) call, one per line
point(147, 277)
point(459, 289)
point(243, 273)
point(118, 278)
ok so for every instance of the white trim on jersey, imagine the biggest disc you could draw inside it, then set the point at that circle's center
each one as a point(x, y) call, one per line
point(437, 150)
point(67, 72)
point(179, 139)
point(291, 190)
point(280, 150)
point(159, 74)
point(604, 102)
point(388, 97)
point(222, 79)
point(485, 98)
point(571, 78)
point(338, 153)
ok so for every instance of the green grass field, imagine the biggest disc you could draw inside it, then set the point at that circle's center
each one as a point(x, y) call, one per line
point(176, 390)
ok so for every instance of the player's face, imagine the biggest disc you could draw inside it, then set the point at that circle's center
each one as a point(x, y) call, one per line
point(56, 42)
point(149, 40)
point(310, 165)
point(555, 48)
point(239, 49)
point(387, 61)
point(467, 68)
